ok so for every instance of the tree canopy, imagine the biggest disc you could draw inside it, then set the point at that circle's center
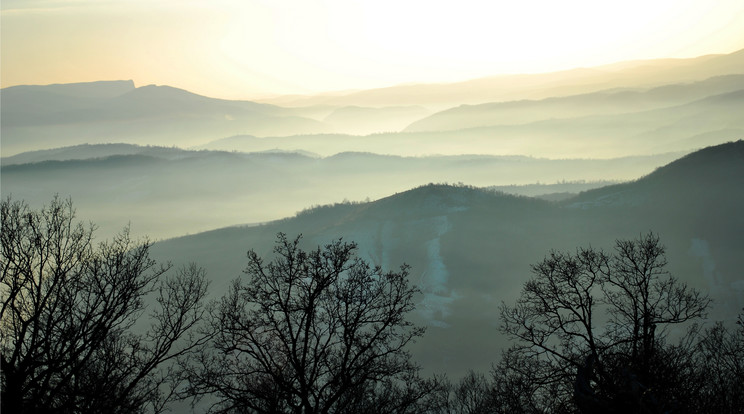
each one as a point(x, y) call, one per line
point(309, 332)
point(594, 329)
point(72, 339)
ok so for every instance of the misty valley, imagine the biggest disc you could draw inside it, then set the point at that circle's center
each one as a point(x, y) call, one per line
point(567, 242)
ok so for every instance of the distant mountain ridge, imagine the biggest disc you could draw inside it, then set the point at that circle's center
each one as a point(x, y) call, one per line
point(607, 123)
point(633, 74)
point(81, 152)
point(37, 117)
point(98, 89)
point(117, 183)
point(685, 126)
point(555, 106)
point(612, 101)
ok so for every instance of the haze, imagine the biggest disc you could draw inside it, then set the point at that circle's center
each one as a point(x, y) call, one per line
point(245, 49)
point(467, 139)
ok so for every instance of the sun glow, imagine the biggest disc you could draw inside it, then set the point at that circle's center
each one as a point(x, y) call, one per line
point(244, 48)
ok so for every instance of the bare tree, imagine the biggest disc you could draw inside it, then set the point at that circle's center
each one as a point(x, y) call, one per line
point(721, 362)
point(406, 394)
point(472, 394)
point(308, 332)
point(525, 384)
point(555, 316)
point(596, 323)
point(68, 340)
point(644, 299)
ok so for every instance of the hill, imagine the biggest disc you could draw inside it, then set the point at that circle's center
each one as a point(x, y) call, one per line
point(116, 183)
point(471, 248)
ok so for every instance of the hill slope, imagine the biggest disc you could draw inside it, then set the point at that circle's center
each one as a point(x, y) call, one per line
point(470, 249)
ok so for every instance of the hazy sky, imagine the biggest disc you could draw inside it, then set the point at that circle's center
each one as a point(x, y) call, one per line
point(247, 48)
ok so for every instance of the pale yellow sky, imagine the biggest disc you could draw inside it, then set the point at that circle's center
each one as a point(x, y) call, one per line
point(249, 48)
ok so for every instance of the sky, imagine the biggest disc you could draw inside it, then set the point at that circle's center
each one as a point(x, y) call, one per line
point(242, 49)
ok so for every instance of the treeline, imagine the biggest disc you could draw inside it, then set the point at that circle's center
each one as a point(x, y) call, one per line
point(103, 328)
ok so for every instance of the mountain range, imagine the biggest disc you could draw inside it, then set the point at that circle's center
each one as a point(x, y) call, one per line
point(629, 108)
point(606, 102)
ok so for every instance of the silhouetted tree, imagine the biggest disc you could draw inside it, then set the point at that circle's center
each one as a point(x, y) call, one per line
point(594, 325)
point(471, 395)
point(721, 364)
point(310, 332)
point(525, 384)
point(68, 340)
point(407, 394)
